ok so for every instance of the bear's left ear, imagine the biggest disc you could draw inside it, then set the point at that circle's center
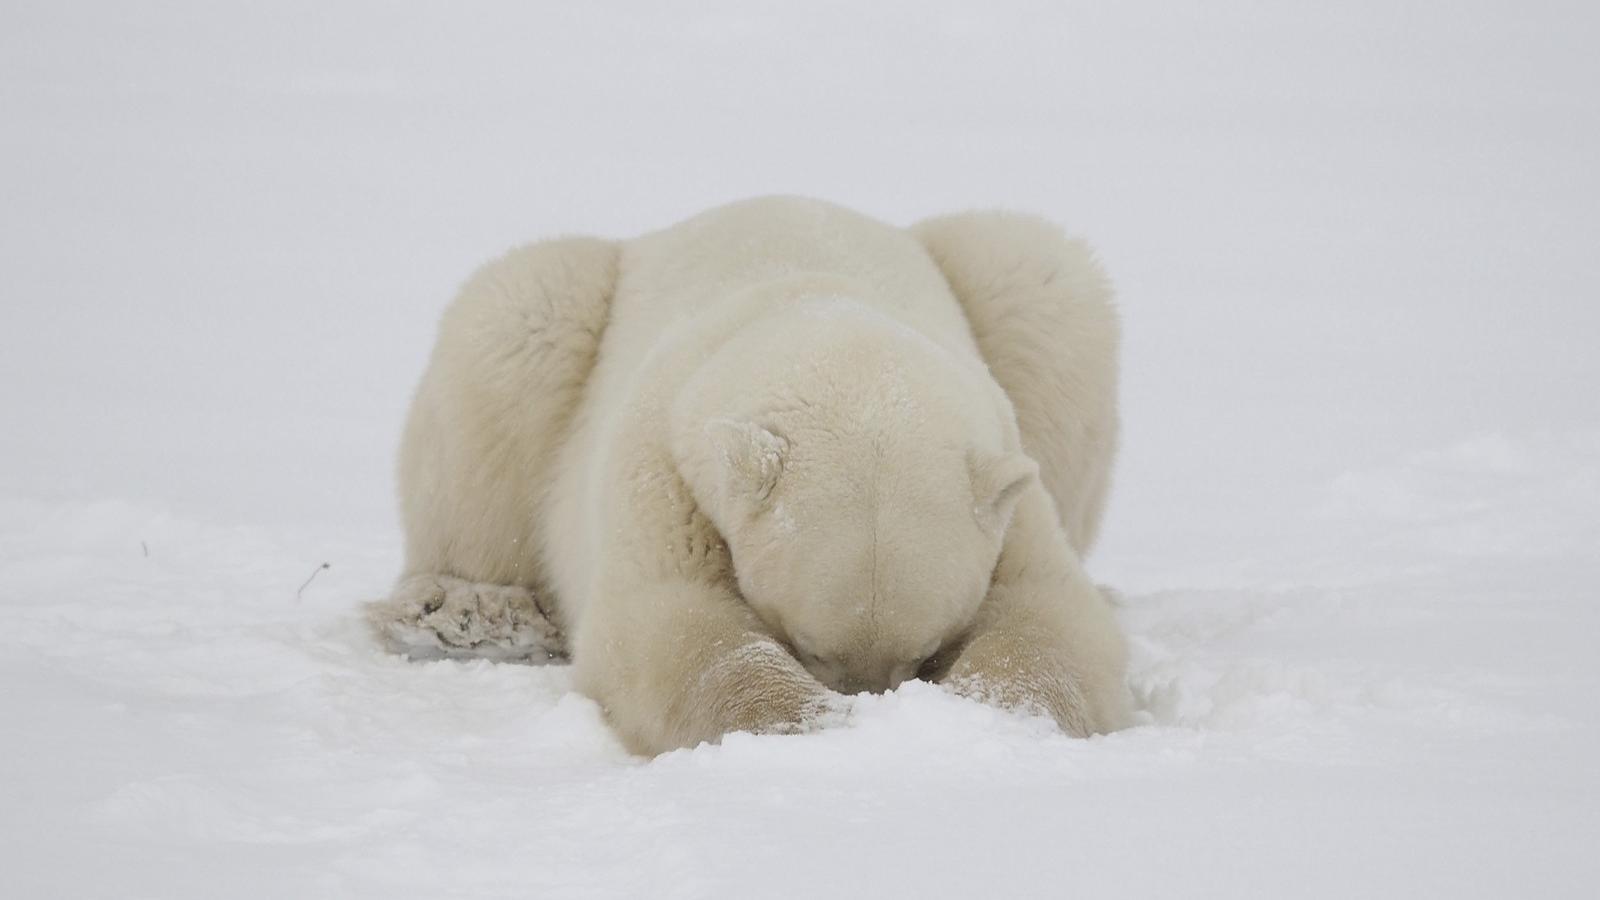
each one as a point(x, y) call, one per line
point(748, 456)
point(997, 485)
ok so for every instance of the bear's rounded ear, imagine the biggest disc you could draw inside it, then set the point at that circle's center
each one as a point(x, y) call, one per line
point(749, 458)
point(997, 485)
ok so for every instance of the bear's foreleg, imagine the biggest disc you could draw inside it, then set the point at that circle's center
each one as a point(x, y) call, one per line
point(1046, 640)
point(688, 666)
point(667, 644)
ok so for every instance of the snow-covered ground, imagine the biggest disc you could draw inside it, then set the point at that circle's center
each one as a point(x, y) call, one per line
point(1356, 529)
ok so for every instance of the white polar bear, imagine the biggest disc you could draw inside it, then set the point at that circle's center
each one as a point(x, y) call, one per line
point(774, 454)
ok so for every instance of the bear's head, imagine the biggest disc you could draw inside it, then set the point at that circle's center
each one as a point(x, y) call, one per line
point(863, 490)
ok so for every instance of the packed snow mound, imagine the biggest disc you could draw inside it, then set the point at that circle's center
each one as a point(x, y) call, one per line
point(186, 707)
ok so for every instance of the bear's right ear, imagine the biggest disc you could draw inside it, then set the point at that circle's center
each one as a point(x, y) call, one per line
point(748, 457)
point(997, 485)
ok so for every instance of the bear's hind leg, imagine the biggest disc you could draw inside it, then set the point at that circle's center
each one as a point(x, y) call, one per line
point(444, 617)
point(480, 456)
point(1041, 311)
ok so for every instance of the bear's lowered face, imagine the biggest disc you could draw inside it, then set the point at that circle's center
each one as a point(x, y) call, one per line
point(869, 573)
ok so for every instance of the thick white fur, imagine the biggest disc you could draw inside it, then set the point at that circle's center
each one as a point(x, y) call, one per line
point(774, 453)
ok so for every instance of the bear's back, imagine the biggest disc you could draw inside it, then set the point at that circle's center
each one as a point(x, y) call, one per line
point(704, 262)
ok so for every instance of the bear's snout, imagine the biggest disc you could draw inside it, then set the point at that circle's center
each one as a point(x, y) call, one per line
point(873, 678)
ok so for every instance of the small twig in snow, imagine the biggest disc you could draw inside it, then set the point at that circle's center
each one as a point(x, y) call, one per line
point(310, 579)
point(146, 548)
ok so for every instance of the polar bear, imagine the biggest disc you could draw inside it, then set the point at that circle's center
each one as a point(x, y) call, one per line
point(768, 457)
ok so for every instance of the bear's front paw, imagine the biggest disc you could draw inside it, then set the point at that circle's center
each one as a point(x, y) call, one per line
point(1038, 681)
point(762, 689)
point(799, 712)
point(441, 616)
point(1029, 696)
